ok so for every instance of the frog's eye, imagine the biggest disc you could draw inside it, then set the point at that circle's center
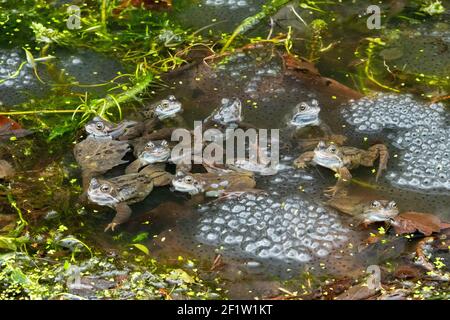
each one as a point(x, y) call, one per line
point(164, 143)
point(376, 204)
point(303, 107)
point(104, 188)
point(99, 125)
point(332, 149)
point(165, 104)
point(188, 179)
point(392, 205)
point(149, 145)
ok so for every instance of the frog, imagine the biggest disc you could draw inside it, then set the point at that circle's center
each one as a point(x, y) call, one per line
point(100, 128)
point(163, 109)
point(213, 184)
point(307, 115)
point(342, 159)
point(227, 116)
point(97, 156)
point(120, 192)
point(149, 152)
point(365, 211)
point(161, 115)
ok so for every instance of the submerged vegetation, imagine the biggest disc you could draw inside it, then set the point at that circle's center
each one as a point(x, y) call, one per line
point(47, 251)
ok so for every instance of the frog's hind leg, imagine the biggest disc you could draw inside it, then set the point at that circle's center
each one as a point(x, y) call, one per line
point(123, 213)
point(378, 151)
point(344, 179)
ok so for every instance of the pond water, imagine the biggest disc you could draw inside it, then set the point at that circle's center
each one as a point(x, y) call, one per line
point(271, 239)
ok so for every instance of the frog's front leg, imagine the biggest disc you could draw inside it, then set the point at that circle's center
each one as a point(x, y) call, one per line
point(343, 180)
point(123, 213)
point(304, 159)
point(375, 151)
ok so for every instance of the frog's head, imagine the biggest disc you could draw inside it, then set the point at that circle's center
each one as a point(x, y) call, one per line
point(164, 109)
point(168, 108)
point(380, 210)
point(99, 128)
point(155, 151)
point(229, 112)
point(102, 192)
point(329, 155)
point(184, 182)
point(306, 114)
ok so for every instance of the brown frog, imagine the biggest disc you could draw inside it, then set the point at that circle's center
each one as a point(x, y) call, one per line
point(97, 156)
point(119, 192)
point(100, 128)
point(342, 159)
point(306, 116)
point(160, 113)
point(366, 212)
point(227, 116)
point(149, 152)
point(213, 184)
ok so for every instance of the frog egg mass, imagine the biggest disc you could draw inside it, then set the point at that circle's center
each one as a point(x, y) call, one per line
point(391, 111)
point(231, 4)
point(15, 78)
point(294, 229)
point(420, 131)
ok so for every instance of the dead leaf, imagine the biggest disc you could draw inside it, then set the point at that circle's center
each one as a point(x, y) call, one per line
point(410, 222)
point(217, 263)
point(406, 272)
point(302, 68)
point(9, 128)
point(336, 288)
point(300, 64)
point(358, 292)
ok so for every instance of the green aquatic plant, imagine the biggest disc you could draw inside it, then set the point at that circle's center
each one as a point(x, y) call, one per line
point(253, 20)
point(432, 7)
point(316, 46)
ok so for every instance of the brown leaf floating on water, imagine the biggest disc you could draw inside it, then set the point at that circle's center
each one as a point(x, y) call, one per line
point(298, 63)
point(407, 271)
point(303, 68)
point(9, 128)
point(410, 222)
point(358, 292)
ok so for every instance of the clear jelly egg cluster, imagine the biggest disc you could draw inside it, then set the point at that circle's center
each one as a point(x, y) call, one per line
point(231, 4)
point(294, 229)
point(422, 135)
point(10, 61)
point(425, 161)
point(241, 69)
point(391, 111)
